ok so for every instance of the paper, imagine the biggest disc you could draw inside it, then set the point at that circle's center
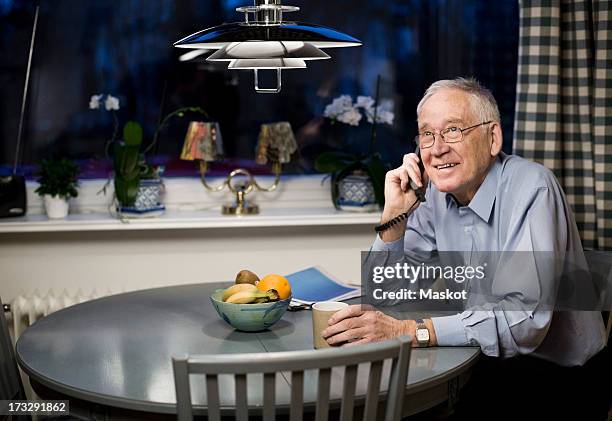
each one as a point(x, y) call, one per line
point(314, 284)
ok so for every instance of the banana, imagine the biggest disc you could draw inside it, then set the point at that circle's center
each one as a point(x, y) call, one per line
point(234, 289)
point(244, 297)
point(248, 297)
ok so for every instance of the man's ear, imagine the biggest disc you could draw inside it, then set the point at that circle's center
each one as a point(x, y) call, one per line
point(497, 138)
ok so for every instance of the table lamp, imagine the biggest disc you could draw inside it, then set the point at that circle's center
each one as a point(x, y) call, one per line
point(275, 145)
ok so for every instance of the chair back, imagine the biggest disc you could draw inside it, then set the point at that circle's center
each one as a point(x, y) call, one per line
point(295, 363)
point(600, 267)
point(10, 380)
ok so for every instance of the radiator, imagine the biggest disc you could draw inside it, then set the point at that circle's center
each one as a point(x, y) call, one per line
point(26, 309)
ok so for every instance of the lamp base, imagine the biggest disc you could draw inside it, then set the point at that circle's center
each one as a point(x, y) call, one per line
point(240, 208)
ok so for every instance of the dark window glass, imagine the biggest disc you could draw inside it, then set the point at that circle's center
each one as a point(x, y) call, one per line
point(124, 48)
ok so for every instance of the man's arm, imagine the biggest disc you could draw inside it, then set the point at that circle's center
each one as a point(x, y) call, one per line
point(510, 326)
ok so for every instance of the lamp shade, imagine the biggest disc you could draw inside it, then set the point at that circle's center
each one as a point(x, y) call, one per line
point(203, 142)
point(276, 143)
point(222, 35)
point(271, 63)
point(268, 50)
point(267, 38)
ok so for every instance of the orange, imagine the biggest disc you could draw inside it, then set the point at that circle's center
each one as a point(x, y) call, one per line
point(277, 282)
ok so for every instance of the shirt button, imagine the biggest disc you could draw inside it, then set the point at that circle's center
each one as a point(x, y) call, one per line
point(467, 229)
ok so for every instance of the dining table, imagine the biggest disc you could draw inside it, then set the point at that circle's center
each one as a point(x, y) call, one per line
point(111, 358)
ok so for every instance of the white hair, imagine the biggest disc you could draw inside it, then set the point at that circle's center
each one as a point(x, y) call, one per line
point(482, 102)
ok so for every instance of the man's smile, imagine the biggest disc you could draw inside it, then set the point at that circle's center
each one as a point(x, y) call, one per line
point(445, 166)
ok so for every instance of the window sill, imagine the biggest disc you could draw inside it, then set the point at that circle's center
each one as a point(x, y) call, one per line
point(174, 219)
point(299, 201)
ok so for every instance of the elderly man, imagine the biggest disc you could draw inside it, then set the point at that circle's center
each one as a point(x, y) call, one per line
point(477, 198)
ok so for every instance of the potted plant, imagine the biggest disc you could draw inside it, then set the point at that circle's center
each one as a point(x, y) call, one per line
point(357, 180)
point(138, 185)
point(57, 181)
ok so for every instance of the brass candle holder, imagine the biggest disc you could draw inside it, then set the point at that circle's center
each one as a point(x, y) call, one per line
point(275, 145)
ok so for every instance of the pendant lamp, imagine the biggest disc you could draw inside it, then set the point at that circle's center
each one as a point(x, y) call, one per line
point(264, 41)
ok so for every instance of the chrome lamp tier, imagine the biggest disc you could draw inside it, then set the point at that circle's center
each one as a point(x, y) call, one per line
point(264, 41)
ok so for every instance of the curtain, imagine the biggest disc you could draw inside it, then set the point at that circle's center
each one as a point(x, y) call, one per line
point(564, 104)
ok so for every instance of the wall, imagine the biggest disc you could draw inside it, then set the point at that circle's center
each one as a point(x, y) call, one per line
point(121, 259)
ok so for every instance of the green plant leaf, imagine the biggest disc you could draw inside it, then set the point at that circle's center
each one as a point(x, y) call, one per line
point(58, 178)
point(132, 133)
point(126, 190)
point(334, 190)
point(330, 162)
point(126, 160)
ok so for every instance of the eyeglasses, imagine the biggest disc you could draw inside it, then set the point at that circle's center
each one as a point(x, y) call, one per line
point(451, 134)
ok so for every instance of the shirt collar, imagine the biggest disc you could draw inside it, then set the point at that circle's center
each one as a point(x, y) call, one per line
point(482, 202)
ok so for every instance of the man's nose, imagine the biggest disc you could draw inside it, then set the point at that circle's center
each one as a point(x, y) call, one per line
point(440, 147)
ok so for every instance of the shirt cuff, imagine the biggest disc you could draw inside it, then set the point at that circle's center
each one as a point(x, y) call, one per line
point(450, 331)
point(380, 245)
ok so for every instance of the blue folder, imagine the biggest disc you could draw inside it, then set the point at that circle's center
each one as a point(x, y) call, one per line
point(312, 285)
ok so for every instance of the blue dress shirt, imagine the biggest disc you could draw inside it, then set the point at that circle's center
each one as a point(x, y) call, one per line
point(520, 206)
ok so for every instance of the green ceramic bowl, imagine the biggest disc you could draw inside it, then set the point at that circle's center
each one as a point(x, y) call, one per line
point(249, 317)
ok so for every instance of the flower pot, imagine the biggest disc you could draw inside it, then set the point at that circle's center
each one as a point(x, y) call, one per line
point(56, 207)
point(148, 200)
point(356, 193)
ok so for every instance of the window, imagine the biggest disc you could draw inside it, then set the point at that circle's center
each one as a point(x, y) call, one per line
point(125, 49)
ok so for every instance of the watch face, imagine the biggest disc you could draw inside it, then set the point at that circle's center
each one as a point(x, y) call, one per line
point(422, 335)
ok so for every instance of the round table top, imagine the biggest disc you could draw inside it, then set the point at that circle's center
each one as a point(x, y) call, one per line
point(117, 350)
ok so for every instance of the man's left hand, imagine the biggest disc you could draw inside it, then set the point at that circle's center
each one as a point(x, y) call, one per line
point(359, 324)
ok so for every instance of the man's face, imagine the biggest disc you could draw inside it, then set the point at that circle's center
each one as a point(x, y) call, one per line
point(472, 157)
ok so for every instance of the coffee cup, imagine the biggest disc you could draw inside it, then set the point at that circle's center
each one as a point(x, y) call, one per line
point(321, 313)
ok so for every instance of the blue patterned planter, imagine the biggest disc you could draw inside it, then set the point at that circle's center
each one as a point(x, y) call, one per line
point(356, 194)
point(148, 200)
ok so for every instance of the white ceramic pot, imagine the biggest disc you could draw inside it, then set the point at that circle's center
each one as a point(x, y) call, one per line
point(55, 206)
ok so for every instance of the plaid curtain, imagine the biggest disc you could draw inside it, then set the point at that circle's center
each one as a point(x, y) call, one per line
point(564, 104)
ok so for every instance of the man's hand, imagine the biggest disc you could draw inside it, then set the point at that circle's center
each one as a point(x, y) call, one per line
point(360, 324)
point(399, 196)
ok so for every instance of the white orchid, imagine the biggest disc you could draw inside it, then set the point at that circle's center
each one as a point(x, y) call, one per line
point(339, 106)
point(365, 102)
point(111, 103)
point(343, 109)
point(94, 102)
point(383, 116)
point(351, 117)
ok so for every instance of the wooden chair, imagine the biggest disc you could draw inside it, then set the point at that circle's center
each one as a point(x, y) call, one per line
point(11, 387)
point(296, 362)
point(600, 266)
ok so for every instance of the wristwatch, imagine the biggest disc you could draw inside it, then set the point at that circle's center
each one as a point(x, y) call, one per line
point(422, 333)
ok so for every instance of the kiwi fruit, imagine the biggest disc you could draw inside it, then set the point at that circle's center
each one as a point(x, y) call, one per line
point(246, 277)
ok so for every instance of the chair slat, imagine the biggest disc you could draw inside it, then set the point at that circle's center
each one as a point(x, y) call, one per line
point(212, 402)
point(297, 396)
point(183, 392)
point(371, 404)
point(323, 394)
point(269, 392)
point(348, 393)
point(242, 409)
point(398, 379)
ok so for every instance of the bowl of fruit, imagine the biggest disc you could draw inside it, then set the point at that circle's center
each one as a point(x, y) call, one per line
point(251, 304)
